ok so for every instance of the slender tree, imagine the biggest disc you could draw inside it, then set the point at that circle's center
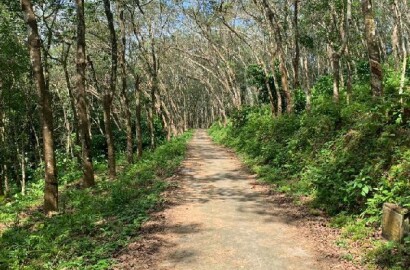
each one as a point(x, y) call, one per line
point(296, 58)
point(124, 94)
point(109, 92)
point(376, 72)
point(88, 170)
point(46, 112)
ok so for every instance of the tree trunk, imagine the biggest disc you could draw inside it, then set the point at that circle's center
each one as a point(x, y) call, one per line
point(376, 72)
point(308, 90)
point(138, 117)
point(67, 126)
point(109, 93)
point(151, 127)
point(2, 145)
point(1, 180)
point(279, 105)
point(270, 94)
point(6, 180)
point(403, 71)
point(124, 95)
point(152, 110)
point(349, 86)
point(297, 50)
point(397, 33)
point(23, 171)
point(46, 113)
point(336, 76)
point(185, 115)
point(285, 83)
point(109, 136)
point(83, 123)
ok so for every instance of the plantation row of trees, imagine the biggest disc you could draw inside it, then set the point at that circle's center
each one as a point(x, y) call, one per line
point(121, 75)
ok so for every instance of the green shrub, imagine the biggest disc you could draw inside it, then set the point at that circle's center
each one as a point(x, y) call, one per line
point(348, 157)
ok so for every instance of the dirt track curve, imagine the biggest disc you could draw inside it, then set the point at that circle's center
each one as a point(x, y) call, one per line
point(222, 221)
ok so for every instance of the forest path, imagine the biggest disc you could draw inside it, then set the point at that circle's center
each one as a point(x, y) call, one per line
point(222, 220)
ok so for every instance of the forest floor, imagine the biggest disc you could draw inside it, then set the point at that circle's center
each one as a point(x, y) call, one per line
point(218, 216)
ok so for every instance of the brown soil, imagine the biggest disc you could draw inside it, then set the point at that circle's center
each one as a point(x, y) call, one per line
point(220, 217)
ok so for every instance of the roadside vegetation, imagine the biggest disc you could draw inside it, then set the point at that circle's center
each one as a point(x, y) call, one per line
point(92, 225)
point(348, 159)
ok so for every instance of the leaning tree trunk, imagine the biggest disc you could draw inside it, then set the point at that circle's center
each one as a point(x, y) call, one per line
point(46, 112)
point(376, 73)
point(109, 93)
point(83, 123)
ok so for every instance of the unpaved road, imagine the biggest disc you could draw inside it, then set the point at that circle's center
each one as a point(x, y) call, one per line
point(223, 221)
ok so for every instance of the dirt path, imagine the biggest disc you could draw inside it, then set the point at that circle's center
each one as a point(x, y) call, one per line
point(222, 219)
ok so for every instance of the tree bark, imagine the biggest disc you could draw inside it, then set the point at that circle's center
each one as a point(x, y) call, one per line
point(23, 171)
point(150, 119)
point(336, 76)
point(124, 95)
point(297, 49)
point(376, 72)
point(2, 145)
point(138, 117)
point(46, 112)
point(109, 136)
point(109, 93)
point(83, 123)
point(308, 89)
point(185, 115)
point(349, 87)
point(6, 180)
point(1, 180)
point(403, 71)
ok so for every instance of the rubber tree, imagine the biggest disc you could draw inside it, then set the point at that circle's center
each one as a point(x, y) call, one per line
point(109, 92)
point(376, 72)
point(81, 100)
point(124, 94)
point(46, 112)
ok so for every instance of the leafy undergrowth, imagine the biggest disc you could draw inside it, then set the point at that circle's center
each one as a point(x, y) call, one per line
point(349, 159)
point(69, 172)
point(93, 224)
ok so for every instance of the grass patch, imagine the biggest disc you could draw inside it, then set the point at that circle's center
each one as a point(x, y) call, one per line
point(390, 255)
